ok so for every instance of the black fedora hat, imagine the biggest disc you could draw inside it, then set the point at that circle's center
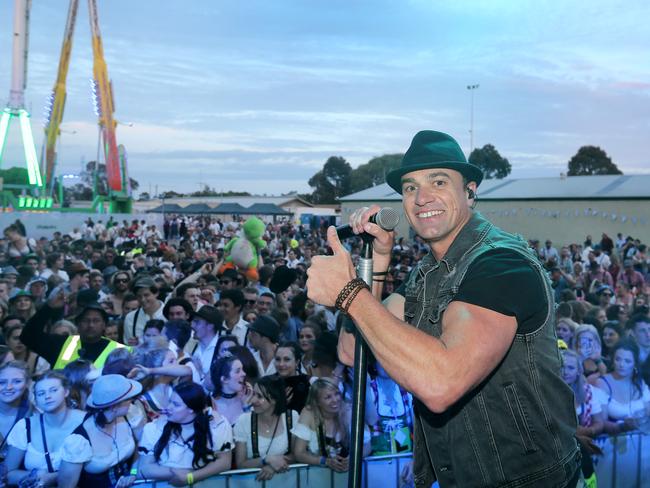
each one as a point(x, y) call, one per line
point(210, 314)
point(432, 149)
point(267, 326)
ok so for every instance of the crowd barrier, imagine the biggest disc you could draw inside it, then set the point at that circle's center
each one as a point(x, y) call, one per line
point(625, 463)
point(378, 471)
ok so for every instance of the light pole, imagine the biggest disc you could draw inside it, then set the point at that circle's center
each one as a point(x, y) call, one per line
point(471, 89)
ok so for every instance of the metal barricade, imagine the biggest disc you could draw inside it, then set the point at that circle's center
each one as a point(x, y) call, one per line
point(377, 471)
point(625, 462)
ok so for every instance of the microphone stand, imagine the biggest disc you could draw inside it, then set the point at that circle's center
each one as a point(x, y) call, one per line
point(364, 271)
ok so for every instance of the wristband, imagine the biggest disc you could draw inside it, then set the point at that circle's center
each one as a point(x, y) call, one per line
point(190, 479)
point(134, 472)
point(347, 290)
point(353, 295)
point(264, 461)
point(323, 461)
point(379, 273)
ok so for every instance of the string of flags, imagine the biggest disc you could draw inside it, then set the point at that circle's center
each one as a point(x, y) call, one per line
point(568, 214)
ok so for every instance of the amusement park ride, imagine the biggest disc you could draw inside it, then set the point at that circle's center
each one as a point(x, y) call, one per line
point(44, 191)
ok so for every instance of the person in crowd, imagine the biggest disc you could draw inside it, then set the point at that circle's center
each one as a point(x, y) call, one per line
point(263, 436)
point(265, 302)
point(54, 266)
point(325, 362)
point(130, 303)
point(250, 299)
point(35, 442)
point(178, 309)
point(565, 329)
point(37, 287)
point(35, 363)
point(81, 375)
point(639, 327)
point(66, 328)
point(224, 343)
point(249, 363)
point(263, 336)
point(153, 328)
point(206, 322)
point(322, 434)
point(589, 347)
point(18, 245)
point(189, 444)
point(178, 333)
point(100, 451)
point(119, 288)
point(588, 398)
point(59, 350)
point(306, 339)
point(231, 394)
point(146, 290)
point(155, 398)
point(612, 333)
point(14, 399)
point(392, 432)
point(191, 293)
point(230, 305)
point(628, 397)
point(22, 305)
point(287, 365)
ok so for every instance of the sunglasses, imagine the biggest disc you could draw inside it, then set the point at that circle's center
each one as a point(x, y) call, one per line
point(121, 280)
point(251, 302)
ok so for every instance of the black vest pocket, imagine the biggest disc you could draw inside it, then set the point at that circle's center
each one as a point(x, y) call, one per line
point(519, 417)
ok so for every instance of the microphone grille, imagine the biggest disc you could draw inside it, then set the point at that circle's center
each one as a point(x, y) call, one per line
point(387, 218)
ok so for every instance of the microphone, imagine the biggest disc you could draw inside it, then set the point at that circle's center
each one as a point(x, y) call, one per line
point(387, 218)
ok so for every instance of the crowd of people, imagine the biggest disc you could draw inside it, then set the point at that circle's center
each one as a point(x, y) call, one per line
point(131, 352)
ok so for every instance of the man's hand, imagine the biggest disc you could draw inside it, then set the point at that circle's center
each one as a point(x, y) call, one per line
point(327, 275)
point(57, 301)
point(359, 221)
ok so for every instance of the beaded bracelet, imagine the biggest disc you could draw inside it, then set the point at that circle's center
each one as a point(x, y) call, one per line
point(353, 295)
point(347, 290)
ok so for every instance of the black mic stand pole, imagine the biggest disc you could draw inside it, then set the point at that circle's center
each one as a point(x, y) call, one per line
point(364, 271)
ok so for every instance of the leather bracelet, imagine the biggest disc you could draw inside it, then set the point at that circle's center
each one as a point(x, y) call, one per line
point(346, 291)
point(353, 295)
point(379, 273)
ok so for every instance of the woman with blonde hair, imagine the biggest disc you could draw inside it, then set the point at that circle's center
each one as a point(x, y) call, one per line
point(589, 347)
point(322, 433)
point(14, 399)
point(35, 442)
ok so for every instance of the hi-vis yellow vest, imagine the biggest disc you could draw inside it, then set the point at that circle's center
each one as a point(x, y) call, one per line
point(70, 352)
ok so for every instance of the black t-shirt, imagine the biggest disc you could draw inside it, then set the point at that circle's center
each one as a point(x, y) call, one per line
point(503, 281)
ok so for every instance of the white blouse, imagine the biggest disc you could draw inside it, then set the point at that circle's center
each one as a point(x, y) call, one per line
point(35, 457)
point(101, 456)
point(267, 446)
point(178, 453)
point(305, 433)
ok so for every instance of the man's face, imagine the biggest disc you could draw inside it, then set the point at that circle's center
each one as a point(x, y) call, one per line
point(177, 312)
point(111, 332)
point(91, 325)
point(436, 204)
point(121, 282)
point(146, 298)
point(11, 278)
point(192, 295)
point(97, 282)
point(81, 279)
point(250, 301)
point(37, 289)
point(642, 334)
point(228, 309)
point(226, 283)
point(32, 263)
point(264, 305)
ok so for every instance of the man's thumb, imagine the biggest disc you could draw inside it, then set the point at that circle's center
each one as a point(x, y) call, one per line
point(333, 240)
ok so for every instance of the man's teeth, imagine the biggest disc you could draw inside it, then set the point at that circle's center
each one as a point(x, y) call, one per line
point(433, 213)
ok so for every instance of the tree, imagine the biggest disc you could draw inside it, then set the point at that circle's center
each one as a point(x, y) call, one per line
point(332, 182)
point(491, 162)
point(374, 171)
point(592, 160)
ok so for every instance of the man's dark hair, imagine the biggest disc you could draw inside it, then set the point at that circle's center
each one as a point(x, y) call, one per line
point(235, 295)
point(265, 274)
point(177, 302)
point(636, 319)
point(180, 291)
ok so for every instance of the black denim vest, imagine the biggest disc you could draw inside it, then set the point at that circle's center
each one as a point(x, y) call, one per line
point(518, 427)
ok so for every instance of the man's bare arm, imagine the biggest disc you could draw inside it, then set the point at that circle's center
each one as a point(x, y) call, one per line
point(438, 371)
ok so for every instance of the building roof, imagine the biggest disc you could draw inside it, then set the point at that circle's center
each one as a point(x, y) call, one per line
point(601, 187)
point(229, 208)
point(196, 208)
point(265, 209)
point(166, 208)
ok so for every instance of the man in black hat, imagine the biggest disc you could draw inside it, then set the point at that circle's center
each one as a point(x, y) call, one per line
point(470, 333)
point(206, 322)
point(263, 335)
point(59, 350)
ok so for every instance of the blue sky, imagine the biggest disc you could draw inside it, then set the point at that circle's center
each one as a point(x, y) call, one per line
point(255, 95)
